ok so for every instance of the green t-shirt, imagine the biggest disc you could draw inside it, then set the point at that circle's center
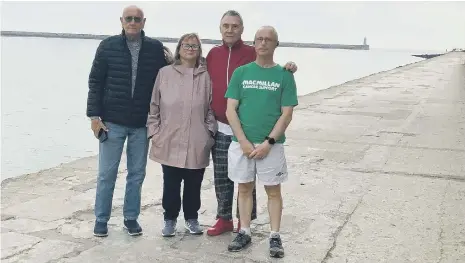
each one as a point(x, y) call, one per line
point(261, 93)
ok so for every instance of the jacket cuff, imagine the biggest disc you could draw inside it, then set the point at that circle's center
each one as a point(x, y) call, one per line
point(213, 128)
point(151, 131)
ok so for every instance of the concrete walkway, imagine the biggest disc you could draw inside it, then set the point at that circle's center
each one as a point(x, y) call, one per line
point(377, 175)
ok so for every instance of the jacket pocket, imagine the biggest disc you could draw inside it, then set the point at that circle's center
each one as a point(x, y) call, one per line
point(157, 139)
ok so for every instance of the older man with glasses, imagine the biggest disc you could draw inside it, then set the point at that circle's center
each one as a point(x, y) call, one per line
point(222, 61)
point(121, 81)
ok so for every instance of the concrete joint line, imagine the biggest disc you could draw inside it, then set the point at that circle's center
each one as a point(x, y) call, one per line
point(22, 251)
point(441, 222)
point(448, 177)
point(339, 230)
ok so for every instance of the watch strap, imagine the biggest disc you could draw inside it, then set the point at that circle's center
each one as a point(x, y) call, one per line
point(270, 140)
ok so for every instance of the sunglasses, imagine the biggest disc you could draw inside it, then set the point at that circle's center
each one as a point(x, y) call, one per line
point(190, 46)
point(136, 19)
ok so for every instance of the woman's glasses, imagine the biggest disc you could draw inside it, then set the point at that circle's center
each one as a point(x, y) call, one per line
point(190, 46)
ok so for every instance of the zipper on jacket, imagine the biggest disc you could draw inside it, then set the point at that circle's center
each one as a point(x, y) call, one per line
point(227, 69)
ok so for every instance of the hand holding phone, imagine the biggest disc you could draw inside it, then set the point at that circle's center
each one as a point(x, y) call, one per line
point(102, 135)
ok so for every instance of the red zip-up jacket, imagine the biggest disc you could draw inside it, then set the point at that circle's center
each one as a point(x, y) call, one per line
point(222, 60)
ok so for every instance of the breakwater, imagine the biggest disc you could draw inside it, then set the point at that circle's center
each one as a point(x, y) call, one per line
point(363, 46)
point(365, 164)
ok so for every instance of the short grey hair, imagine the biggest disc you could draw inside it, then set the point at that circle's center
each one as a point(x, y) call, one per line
point(177, 56)
point(233, 13)
point(273, 31)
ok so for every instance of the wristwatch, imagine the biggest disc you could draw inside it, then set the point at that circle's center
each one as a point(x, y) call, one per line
point(270, 140)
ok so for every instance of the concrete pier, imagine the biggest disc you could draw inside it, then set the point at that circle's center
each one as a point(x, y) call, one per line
point(377, 174)
point(365, 46)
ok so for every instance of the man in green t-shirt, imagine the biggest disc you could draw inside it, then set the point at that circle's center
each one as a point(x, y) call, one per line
point(261, 98)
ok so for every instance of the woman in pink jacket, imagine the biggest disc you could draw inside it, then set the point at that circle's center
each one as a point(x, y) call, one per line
point(181, 126)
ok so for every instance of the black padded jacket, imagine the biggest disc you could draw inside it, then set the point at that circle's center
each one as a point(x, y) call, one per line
point(110, 81)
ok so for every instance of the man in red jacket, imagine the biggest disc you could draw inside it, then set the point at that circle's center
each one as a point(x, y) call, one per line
point(222, 60)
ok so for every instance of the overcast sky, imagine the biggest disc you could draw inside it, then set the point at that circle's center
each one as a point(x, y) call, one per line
point(393, 25)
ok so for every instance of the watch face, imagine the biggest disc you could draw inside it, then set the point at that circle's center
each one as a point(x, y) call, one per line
point(270, 140)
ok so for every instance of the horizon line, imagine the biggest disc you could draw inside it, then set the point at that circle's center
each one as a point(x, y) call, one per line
point(175, 40)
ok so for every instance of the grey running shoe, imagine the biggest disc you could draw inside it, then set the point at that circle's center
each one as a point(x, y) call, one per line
point(276, 247)
point(240, 242)
point(169, 230)
point(193, 226)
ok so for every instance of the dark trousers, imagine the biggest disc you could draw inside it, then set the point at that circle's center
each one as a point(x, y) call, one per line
point(172, 178)
point(224, 187)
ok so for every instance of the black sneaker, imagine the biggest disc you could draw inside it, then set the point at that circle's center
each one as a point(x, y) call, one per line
point(100, 229)
point(276, 246)
point(239, 243)
point(132, 227)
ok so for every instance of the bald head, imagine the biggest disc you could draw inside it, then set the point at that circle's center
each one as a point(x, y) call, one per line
point(267, 30)
point(133, 9)
point(132, 21)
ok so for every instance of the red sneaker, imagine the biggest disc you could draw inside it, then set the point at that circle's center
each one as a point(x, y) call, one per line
point(221, 226)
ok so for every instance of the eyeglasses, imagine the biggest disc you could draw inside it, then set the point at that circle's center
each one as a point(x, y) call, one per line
point(190, 46)
point(136, 19)
point(267, 40)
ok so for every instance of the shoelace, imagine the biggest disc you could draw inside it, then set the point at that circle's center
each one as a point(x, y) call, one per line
point(169, 223)
point(275, 242)
point(192, 223)
point(131, 224)
point(240, 238)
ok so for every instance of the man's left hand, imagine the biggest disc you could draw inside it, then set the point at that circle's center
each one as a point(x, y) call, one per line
point(261, 151)
point(291, 66)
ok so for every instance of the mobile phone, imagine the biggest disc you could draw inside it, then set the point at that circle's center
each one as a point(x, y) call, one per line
point(102, 135)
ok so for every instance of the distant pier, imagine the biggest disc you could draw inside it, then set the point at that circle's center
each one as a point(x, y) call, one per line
point(428, 56)
point(363, 46)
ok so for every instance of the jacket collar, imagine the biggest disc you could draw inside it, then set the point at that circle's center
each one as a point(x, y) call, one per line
point(236, 45)
point(123, 34)
point(202, 68)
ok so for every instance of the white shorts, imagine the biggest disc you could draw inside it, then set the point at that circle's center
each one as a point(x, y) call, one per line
point(271, 170)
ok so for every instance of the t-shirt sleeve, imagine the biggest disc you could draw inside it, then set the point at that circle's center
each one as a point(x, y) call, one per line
point(289, 95)
point(234, 87)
